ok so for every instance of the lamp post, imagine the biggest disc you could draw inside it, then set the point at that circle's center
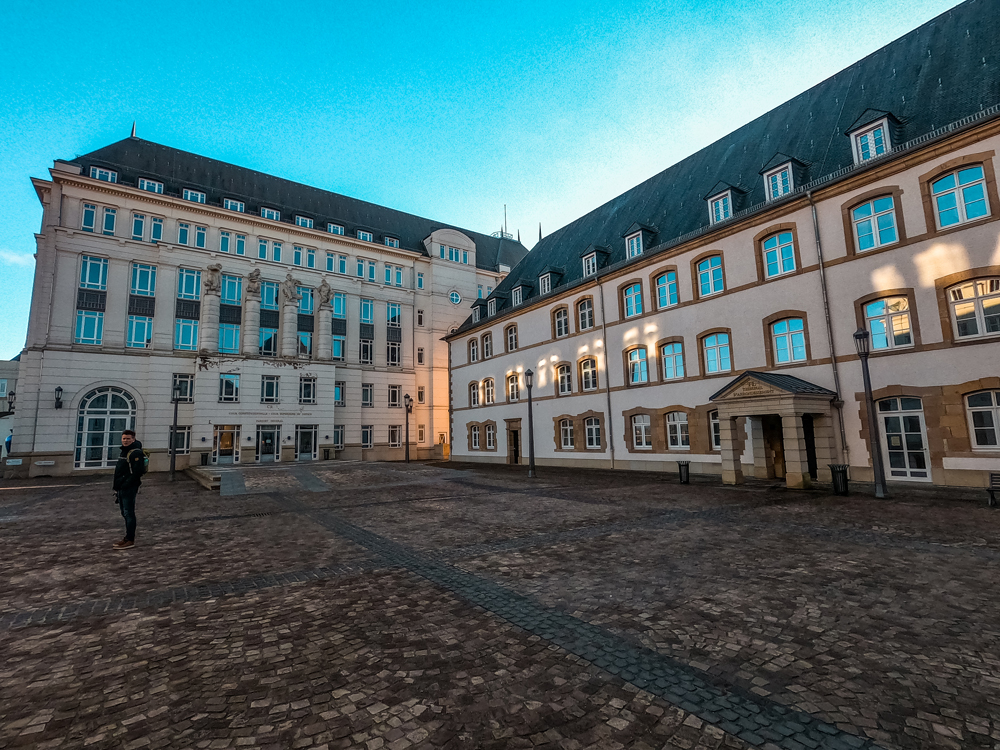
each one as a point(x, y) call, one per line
point(408, 403)
point(862, 342)
point(173, 431)
point(528, 377)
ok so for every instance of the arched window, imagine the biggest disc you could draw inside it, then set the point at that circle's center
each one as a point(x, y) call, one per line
point(488, 391)
point(511, 332)
point(717, 354)
point(888, 321)
point(678, 438)
point(975, 308)
point(565, 379)
point(491, 437)
point(513, 388)
point(673, 360)
point(103, 414)
point(633, 300)
point(474, 394)
point(475, 437)
point(487, 345)
point(642, 435)
point(585, 314)
point(779, 254)
point(593, 425)
point(588, 374)
point(984, 420)
point(960, 196)
point(788, 341)
point(875, 223)
point(566, 434)
point(473, 350)
point(710, 276)
point(666, 289)
point(637, 371)
point(562, 322)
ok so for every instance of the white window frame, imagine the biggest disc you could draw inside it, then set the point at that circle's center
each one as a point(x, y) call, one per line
point(487, 345)
point(510, 333)
point(303, 221)
point(588, 374)
point(715, 430)
point(562, 322)
point(275, 391)
point(307, 389)
point(491, 307)
point(633, 245)
point(720, 207)
point(368, 395)
point(893, 444)
point(638, 366)
point(140, 332)
point(667, 292)
point(270, 213)
point(592, 428)
point(143, 280)
point(888, 323)
point(473, 350)
point(474, 394)
point(791, 340)
point(545, 283)
point(710, 277)
point(195, 196)
point(516, 296)
point(589, 264)
point(233, 388)
point(775, 186)
point(986, 291)
point(959, 190)
point(364, 236)
point(391, 242)
point(857, 140)
point(185, 335)
point(632, 298)
point(513, 388)
point(489, 391)
point(713, 344)
point(231, 205)
point(150, 186)
point(334, 228)
point(585, 324)
point(642, 432)
point(564, 379)
point(229, 338)
point(89, 327)
point(874, 219)
point(491, 437)
point(672, 360)
point(678, 436)
point(781, 258)
point(367, 435)
point(989, 420)
point(474, 437)
point(104, 175)
point(567, 440)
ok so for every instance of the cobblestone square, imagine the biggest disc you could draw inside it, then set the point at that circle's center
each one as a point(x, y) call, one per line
point(445, 605)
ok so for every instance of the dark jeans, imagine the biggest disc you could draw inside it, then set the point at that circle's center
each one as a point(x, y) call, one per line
point(126, 501)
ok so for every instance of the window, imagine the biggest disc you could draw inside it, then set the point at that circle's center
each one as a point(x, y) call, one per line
point(593, 429)
point(340, 393)
point(310, 258)
point(633, 300)
point(585, 314)
point(717, 357)
point(193, 195)
point(182, 439)
point(232, 290)
point(960, 196)
point(363, 235)
point(545, 284)
point(420, 281)
point(710, 276)
point(875, 223)
point(474, 394)
point(491, 437)
point(975, 308)
point(330, 262)
point(870, 143)
point(367, 353)
point(270, 213)
point(905, 433)
point(367, 431)
point(241, 244)
point(3, 387)
point(715, 430)
point(393, 354)
point(475, 314)
point(392, 315)
point(200, 237)
point(788, 339)
point(474, 437)
point(334, 229)
point(110, 215)
point(339, 347)
point(306, 300)
point(307, 390)
point(269, 299)
point(637, 372)
point(342, 264)
point(229, 338)
point(367, 311)
point(183, 230)
point(229, 388)
point(94, 273)
point(565, 379)
point(642, 435)
point(491, 307)
point(391, 242)
point(140, 332)
point(302, 221)
point(305, 344)
point(590, 264)
point(678, 438)
point(367, 395)
point(395, 396)
point(224, 238)
point(185, 335)
point(511, 332)
point(156, 230)
point(339, 305)
point(89, 327)
point(421, 433)
point(566, 434)
point(106, 175)
point(513, 388)
point(89, 217)
point(588, 374)
point(276, 252)
point(420, 355)
point(138, 224)
point(230, 204)
point(516, 296)
point(634, 244)
point(720, 208)
point(666, 289)
point(420, 318)
point(420, 394)
point(479, 291)
point(778, 182)
point(984, 419)
point(262, 249)
point(672, 356)
point(487, 345)
point(488, 391)
point(562, 323)
point(338, 437)
point(269, 389)
point(268, 343)
point(296, 255)
point(888, 321)
point(186, 384)
point(779, 256)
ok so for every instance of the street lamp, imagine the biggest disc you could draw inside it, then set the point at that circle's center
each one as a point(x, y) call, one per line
point(408, 403)
point(59, 393)
point(528, 377)
point(173, 430)
point(862, 342)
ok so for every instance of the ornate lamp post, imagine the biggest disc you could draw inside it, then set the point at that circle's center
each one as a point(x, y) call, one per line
point(528, 378)
point(176, 397)
point(862, 342)
point(408, 403)
point(10, 402)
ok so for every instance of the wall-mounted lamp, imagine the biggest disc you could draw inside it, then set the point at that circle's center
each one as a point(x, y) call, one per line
point(59, 392)
point(326, 437)
point(10, 401)
point(203, 440)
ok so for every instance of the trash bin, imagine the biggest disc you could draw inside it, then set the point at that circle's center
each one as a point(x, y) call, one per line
point(204, 459)
point(326, 454)
point(684, 469)
point(839, 472)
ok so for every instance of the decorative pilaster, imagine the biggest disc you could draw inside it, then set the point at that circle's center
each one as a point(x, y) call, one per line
point(732, 469)
point(289, 316)
point(251, 315)
point(211, 298)
point(324, 333)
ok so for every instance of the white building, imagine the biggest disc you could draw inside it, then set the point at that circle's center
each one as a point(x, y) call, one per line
point(8, 390)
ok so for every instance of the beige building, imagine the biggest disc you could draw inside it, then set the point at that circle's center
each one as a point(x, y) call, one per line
point(8, 392)
point(708, 315)
point(292, 321)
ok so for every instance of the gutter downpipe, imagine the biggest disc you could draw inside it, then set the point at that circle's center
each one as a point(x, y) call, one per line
point(607, 377)
point(839, 402)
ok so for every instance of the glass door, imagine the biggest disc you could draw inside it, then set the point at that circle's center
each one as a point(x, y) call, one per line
point(904, 433)
point(267, 442)
point(226, 446)
point(305, 442)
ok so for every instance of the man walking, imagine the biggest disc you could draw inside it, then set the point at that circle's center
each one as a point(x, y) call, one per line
point(128, 477)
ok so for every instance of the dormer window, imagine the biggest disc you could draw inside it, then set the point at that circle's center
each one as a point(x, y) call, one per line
point(545, 283)
point(270, 213)
point(475, 314)
point(516, 296)
point(778, 182)
point(491, 307)
point(195, 196)
point(590, 264)
point(230, 204)
point(720, 207)
point(334, 229)
point(363, 235)
point(105, 175)
point(871, 142)
point(391, 242)
point(150, 185)
point(633, 244)
point(302, 221)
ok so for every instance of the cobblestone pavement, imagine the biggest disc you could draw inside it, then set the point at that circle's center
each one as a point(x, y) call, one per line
point(384, 606)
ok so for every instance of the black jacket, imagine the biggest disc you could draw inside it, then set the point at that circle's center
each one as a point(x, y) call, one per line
point(128, 470)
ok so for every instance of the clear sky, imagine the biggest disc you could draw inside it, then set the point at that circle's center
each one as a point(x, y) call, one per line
point(444, 109)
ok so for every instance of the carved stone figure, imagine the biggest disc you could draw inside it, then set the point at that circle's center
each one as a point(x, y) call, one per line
point(289, 293)
point(213, 278)
point(325, 292)
point(253, 282)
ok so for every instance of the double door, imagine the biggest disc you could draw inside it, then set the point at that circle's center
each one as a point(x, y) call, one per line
point(226, 444)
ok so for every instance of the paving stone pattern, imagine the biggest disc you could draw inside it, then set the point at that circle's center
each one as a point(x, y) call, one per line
point(359, 605)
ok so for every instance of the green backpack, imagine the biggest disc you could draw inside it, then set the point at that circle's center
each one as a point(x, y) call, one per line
point(145, 461)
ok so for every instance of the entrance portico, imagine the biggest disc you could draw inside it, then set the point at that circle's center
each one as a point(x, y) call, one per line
point(789, 422)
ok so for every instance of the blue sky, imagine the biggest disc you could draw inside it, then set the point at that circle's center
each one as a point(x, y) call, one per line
point(444, 109)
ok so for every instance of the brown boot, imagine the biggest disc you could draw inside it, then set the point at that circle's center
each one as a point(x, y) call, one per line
point(123, 544)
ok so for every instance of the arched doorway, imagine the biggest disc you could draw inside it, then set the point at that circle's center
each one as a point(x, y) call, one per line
point(103, 414)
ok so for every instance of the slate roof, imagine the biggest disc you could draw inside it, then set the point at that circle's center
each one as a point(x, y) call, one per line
point(133, 158)
point(937, 74)
point(788, 383)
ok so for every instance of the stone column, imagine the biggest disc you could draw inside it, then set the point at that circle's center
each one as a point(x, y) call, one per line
point(763, 460)
point(289, 328)
point(251, 324)
point(208, 332)
point(732, 470)
point(794, 442)
point(826, 450)
point(323, 341)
